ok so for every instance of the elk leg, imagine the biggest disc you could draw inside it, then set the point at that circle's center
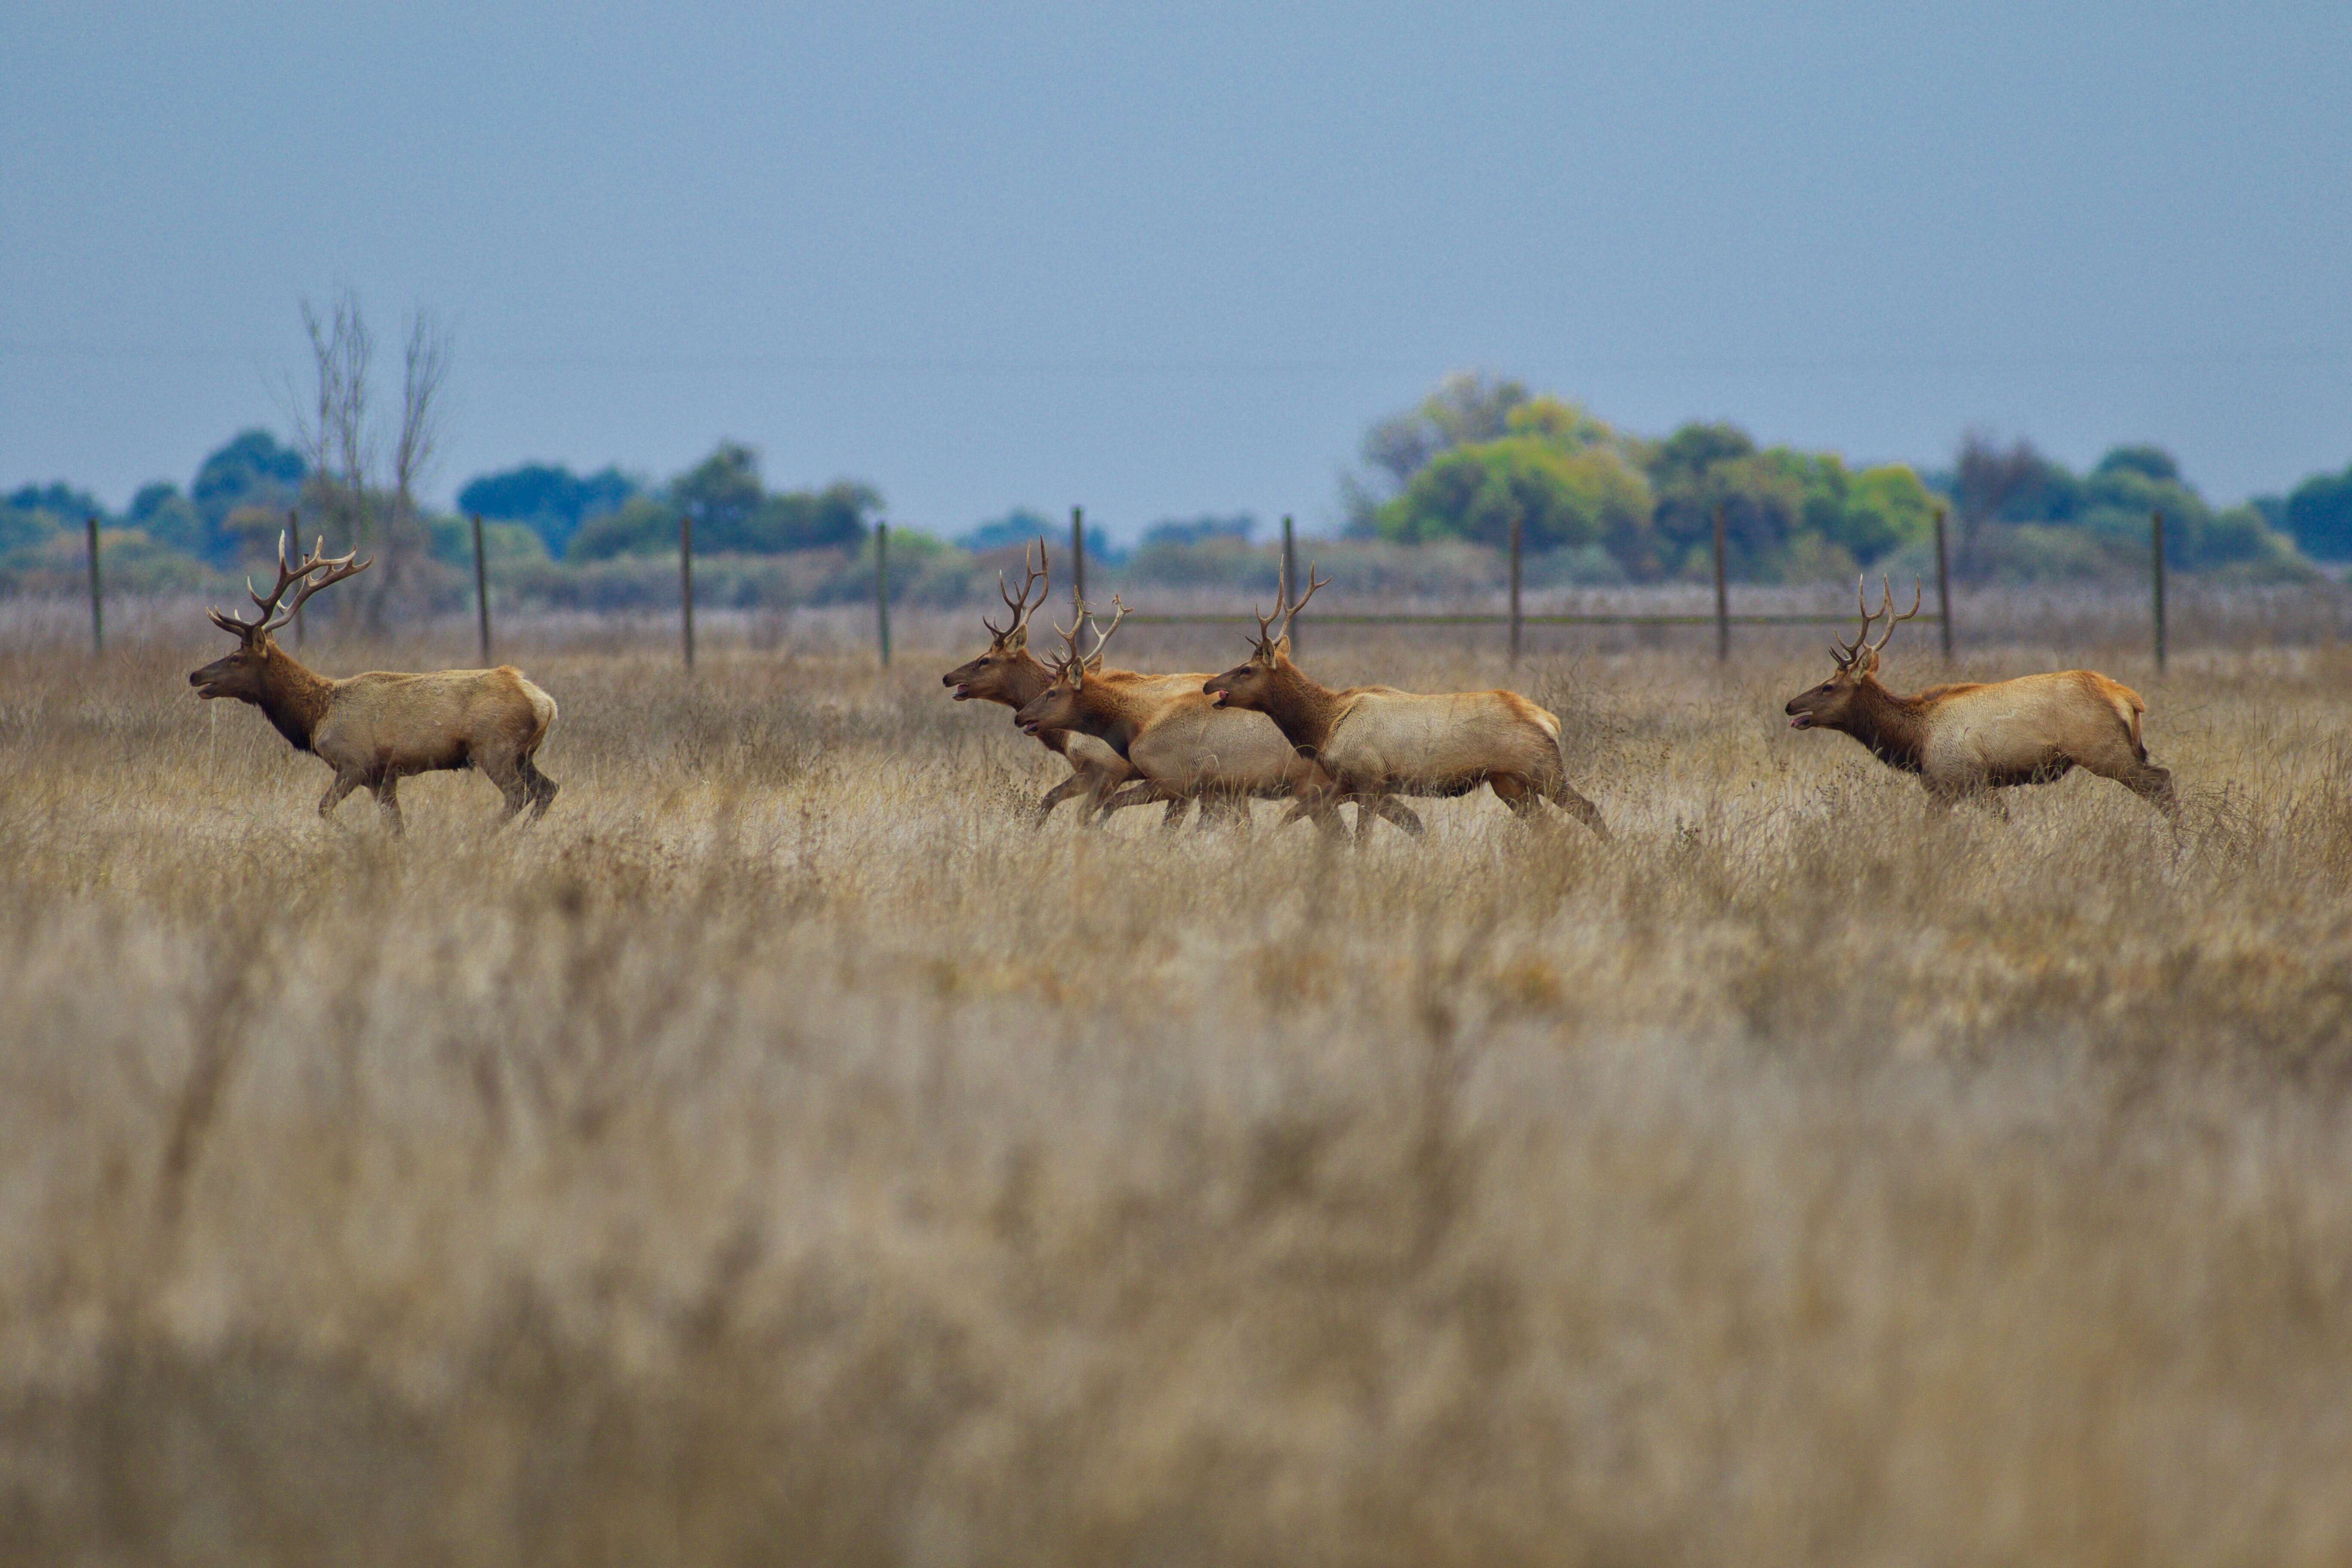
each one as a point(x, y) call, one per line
point(1564, 796)
point(2128, 766)
point(1077, 784)
point(1368, 812)
point(344, 784)
point(1402, 815)
point(507, 775)
point(387, 802)
point(541, 788)
point(1515, 793)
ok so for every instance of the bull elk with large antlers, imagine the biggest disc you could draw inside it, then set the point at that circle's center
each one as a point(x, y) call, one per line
point(1377, 742)
point(1168, 731)
point(1009, 674)
point(1964, 739)
point(377, 729)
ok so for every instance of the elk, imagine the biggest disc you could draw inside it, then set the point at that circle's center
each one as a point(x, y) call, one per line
point(1168, 730)
point(1009, 674)
point(1376, 742)
point(379, 728)
point(1964, 740)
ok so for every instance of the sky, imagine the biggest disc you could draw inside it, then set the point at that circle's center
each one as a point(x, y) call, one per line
point(1169, 260)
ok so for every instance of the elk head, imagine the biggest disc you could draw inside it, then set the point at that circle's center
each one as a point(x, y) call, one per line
point(1247, 684)
point(240, 673)
point(1825, 706)
point(991, 677)
point(1060, 706)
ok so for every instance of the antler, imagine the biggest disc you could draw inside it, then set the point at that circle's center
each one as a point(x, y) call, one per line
point(1284, 610)
point(271, 618)
point(328, 574)
point(1886, 604)
point(1102, 633)
point(1040, 576)
point(1850, 653)
point(1312, 583)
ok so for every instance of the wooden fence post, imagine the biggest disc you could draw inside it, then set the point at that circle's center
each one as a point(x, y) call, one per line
point(97, 614)
point(882, 588)
point(1515, 531)
point(1290, 573)
point(482, 590)
point(1077, 561)
point(2155, 559)
point(1943, 586)
point(686, 580)
point(1722, 596)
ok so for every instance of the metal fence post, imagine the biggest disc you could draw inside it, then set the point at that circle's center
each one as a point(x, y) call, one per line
point(1515, 531)
point(1077, 561)
point(686, 580)
point(97, 614)
point(1722, 596)
point(1290, 574)
point(482, 589)
point(1943, 586)
point(2155, 559)
point(882, 588)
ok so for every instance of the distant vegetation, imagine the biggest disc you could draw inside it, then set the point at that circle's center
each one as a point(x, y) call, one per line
point(1595, 504)
point(1478, 454)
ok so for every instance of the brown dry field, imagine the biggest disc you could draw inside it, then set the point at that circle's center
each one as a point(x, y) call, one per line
point(785, 1155)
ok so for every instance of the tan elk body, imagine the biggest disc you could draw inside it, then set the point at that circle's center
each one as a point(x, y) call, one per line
point(376, 729)
point(1168, 730)
point(1375, 741)
point(1963, 739)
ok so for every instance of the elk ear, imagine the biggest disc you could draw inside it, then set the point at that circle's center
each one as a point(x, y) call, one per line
point(1867, 664)
point(1016, 640)
point(1281, 648)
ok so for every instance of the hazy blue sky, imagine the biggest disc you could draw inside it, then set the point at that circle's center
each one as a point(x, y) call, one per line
point(1171, 260)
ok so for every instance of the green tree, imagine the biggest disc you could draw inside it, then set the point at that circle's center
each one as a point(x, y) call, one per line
point(1561, 499)
point(722, 493)
point(2319, 514)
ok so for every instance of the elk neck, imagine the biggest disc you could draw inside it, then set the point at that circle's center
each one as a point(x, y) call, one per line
point(1025, 681)
point(1894, 727)
point(1304, 711)
point(293, 697)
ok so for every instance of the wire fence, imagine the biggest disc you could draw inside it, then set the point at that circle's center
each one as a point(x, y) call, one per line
point(2325, 620)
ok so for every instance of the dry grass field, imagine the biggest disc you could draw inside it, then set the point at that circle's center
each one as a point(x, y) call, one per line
point(783, 1153)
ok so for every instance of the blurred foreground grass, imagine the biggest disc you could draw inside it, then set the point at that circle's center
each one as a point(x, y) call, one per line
point(785, 1154)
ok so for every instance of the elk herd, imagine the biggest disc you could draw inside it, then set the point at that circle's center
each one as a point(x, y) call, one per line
point(1262, 729)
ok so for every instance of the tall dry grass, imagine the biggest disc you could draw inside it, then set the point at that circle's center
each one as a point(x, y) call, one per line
point(783, 1153)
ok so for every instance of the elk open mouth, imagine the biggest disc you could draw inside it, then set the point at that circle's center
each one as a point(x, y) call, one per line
point(1801, 721)
point(1216, 700)
point(962, 693)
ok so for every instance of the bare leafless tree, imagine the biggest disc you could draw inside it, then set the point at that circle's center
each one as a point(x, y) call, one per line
point(330, 426)
point(425, 368)
point(349, 501)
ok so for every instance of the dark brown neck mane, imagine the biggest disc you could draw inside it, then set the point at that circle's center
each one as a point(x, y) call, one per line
point(1894, 727)
point(292, 698)
point(1300, 708)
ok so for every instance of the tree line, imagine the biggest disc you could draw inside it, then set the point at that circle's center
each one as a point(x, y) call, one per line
point(1477, 456)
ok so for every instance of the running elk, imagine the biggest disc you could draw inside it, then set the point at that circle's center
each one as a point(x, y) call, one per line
point(1009, 674)
point(1963, 740)
point(1375, 743)
point(377, 729)
point(1168, 730)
